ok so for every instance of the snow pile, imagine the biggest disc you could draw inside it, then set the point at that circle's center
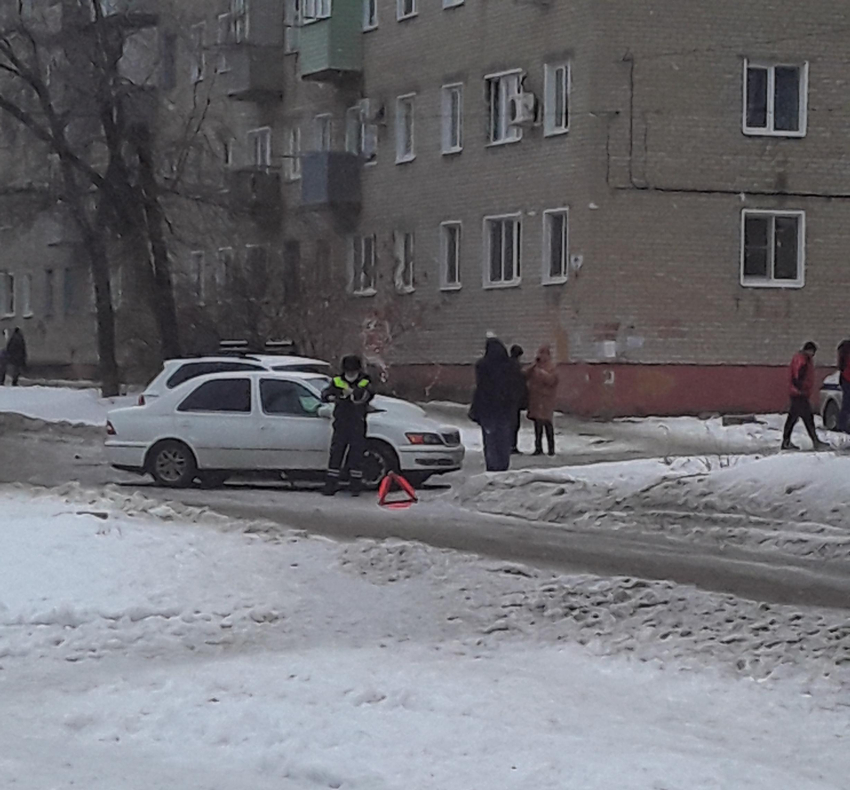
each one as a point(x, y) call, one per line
point(164, 648)
point(795, 504)
point(60, 404)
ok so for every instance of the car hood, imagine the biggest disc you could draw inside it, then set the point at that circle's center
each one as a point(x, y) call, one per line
point(385, 403)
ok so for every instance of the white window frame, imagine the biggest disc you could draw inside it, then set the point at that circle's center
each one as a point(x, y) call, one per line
point(292, 21)
point(445, 227)
point(199, 276)
point(770, 281)
point(402, 155)
point(316, 10)
point(7, 295)
point(769, 130)
point(354, 130)
point(198, 34)
point(517, 245)
point(405, 261)
point(25, 297)
point(292, 160)
point(452, 3)
point(357, 252)
point(323, 131)
point(452, 143)
point(224, 37)
point(260, 142)
point(402, 14)
point(500, 81)
point(548, 278)
point(552, 125)
point(370, 15)
point(241, 21)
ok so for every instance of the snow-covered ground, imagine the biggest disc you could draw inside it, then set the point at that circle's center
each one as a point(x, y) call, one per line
point(156, 646)
point(60, 404)
point(793, 503)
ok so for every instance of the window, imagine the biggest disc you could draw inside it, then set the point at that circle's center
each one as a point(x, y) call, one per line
point(370, 14)
point(260, 143)
point(316, 9)
point(191, 370)
point(292, 162)
point(406, 9)
point(69, 292)
point(323, 132)
point(404, 122)
point(370, 143)
point(500, 89)
point(364, 265)
point(556, 92)
point(239, 17)
point(223, 395)
point(405, 280)
point(7, 294)
point(292, 26)
point(198, 274)
point(49, 285)
point(452, 3)
point(354, 130)
point(26, 296)
point(773, 248)
point(287, 398)
point(775, 99)
point(556, 249)
point(452, 119)
point(502, 244)
point(197, 34)
point(450, 239)
point(223, 270)
point(224, 37)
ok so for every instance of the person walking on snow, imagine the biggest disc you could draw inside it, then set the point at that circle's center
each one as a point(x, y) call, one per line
point(844, 380)
point(521, 395)
point(542, 379)
point(801, 374)
point(494, 404)
point(16, 355)
point(351, 392)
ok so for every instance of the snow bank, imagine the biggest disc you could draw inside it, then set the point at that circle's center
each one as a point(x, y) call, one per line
point(60, 404)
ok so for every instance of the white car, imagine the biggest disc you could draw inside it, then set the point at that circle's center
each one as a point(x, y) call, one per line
point(830, 401)
point(268, 423)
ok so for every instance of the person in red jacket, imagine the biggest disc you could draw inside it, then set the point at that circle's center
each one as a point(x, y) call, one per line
point(844, 380)
point(801, 374)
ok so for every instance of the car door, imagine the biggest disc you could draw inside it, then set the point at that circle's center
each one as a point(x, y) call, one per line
point(292, 434)
point(218, 422)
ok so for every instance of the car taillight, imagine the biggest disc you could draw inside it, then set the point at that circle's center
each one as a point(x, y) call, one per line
point(141, 401)
point(110, 429)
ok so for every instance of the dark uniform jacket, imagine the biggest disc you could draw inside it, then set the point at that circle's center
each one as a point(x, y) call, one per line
point(351, 398)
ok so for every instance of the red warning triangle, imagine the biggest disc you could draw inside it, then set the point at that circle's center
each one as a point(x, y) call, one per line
point(394, 484)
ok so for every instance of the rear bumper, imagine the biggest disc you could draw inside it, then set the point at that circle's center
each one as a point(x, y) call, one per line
point(130, 457)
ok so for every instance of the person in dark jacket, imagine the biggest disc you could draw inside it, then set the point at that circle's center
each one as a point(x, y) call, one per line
point(494, 403)
point(844, 380)
point(801, 374)
point(16, 355)
point(352, 392)
point(521, 395)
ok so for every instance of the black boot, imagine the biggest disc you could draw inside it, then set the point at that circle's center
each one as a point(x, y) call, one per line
point(330, 486)
point(355, 486)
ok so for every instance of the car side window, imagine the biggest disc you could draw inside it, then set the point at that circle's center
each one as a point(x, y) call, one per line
point(192, 370)
point(287, 398)
point(224, 395)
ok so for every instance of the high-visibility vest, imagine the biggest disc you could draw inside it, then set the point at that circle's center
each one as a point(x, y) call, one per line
point(342, 384)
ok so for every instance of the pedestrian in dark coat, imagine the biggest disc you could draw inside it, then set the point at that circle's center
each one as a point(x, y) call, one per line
point(801, 375)
point(494, 404)
point(844, 380)
point(352, 392)
point(542, 379)
point(16, 355)
point(521, 395)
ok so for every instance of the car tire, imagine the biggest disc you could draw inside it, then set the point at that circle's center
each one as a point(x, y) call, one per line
point(172, 464)
point(379, 460)
point(830, 416)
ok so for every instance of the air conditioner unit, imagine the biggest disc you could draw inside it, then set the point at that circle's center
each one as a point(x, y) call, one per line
point(522, 109)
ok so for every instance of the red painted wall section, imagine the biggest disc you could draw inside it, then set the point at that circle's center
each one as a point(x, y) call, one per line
point(626, 390)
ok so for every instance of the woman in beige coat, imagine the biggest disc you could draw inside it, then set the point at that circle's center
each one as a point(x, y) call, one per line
point(542, 379)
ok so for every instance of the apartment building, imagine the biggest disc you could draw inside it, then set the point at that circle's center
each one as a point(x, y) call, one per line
point(658, 190)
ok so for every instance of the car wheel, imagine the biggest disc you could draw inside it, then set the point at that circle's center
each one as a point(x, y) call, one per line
point(379, 460)
point(172, 464)
point(213, 479)
point(830, 416)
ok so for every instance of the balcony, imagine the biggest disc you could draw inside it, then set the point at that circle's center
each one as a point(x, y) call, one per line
point(331, 179)
point(332, 48)
point(251, 73)
point(255, 191)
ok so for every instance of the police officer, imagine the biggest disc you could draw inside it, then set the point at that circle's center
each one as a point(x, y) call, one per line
point(351, 392)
